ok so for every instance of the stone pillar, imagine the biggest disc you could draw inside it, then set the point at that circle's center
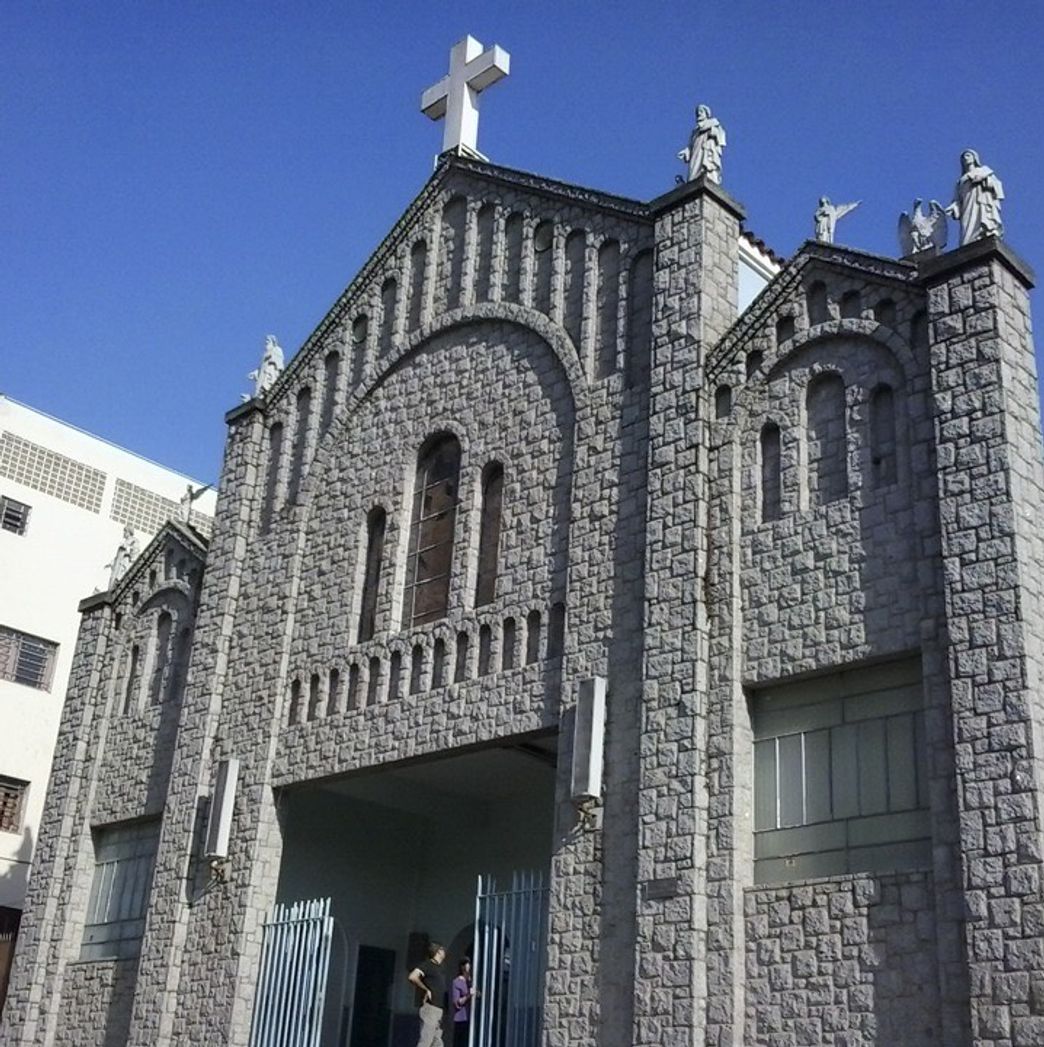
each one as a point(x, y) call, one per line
point(694, 303)
point(180, 877)
point(991, 505)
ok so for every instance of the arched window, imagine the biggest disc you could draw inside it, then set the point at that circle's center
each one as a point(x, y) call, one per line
point(543, 263)
point(418, 259)
point(723, 401)
point(430, 551)
point(389, 298)
point(485, 650)
point(438, 663)
point(360, 333)
point(304, 415)
point(161, 657)
point(313, 697)
point(753, 362)
point(394, 676)
point(816, 303)
point(882, 436)
point(295, 702)
point(275, 452)
point(827, 439)
point(532, 637)
point(851, 305)
point(784, 329)
point(454, 226)
point(333, 693)
point(331, 376)
point(133, 680)
point(884, 312)
point(513, 261)
point(416, 669)
point(575, 270)
point(375, 525)
point(352, 698)
point(507, 644)
point(771, 501)
point(556, 631)
point(373, 681)
point(607, 302)
point(489, 533)
point(460, 658)
point(484, 269)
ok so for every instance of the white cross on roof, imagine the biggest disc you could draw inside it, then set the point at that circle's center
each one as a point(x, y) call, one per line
point(455, 97)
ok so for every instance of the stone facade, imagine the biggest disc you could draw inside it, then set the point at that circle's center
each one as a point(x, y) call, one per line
point(715, 512)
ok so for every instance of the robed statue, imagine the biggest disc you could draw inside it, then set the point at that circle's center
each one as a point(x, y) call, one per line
point(827, 215)
point(270, 368)
point(706, 143)
point(976, 200)
point(126, 553)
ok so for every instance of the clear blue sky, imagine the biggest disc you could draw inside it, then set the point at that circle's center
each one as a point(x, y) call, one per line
point(179, 179)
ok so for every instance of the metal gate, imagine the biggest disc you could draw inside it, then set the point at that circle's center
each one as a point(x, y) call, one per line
point(291, 988)
point(508, 961)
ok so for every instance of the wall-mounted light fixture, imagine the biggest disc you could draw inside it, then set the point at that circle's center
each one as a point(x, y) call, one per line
point(219, 823)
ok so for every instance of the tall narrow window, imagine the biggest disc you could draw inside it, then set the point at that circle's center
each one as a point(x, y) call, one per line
point(295, 703)
point(556, 631)
point(275, 452)
point(394, 676)
point(179, 670)
point(333, 693)
point(454, 223)
point(489, 533)
point(816, 303)
point(532, 637)
point(606, 305)
point(416, 669)
point(331, 376)
point(827, 440)
point(434, 516)
point(771, 502)
point(161, 657)
point(882, 436)
point(389, 297)
point(133, 680)
point(513, 261)
point(485, 649)
point(723, 401)
point(438, 663)
point(460, 660)
point(352, 699)
point(373, 682)
point(304, 418)
point(784, 329)
point(313, 697)
point(418, 260)
point(575, 270)
point(543, 263)
point(360, 334)
point(508, 639)
point(375, 525)
point(484, 270)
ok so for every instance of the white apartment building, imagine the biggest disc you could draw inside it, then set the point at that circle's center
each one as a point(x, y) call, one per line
point(65, 498)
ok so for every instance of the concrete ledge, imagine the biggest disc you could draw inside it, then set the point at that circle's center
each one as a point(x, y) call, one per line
point(975, 253)
point(700, 187)
point(242, 410)
point(94, 601)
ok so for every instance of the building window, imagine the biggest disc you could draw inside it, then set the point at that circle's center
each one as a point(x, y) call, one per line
point(14, 516)
point(489, 533)
point(827, 439)
point(840, 782)
point(27, 659)
point(375, 525)
point(431, 531)
point(771, 474)
point(124, 859)
point(161, 657)
point(12, 799)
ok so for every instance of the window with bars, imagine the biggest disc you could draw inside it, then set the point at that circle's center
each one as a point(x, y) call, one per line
point(840, 783)
point(12, 801)
point(124, 859)
point(26, 659)
point(433, 520)
point(14, 516)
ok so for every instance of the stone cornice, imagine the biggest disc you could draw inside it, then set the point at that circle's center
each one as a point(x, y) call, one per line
point(702, 186)
point(990, 248)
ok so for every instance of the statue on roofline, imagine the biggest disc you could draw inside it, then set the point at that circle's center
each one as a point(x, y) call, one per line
point(706, 144)
point(923, 232)
point(976, 200)
point(185, 502)
point(827, 216)
point(126, 553)
point(270, 368)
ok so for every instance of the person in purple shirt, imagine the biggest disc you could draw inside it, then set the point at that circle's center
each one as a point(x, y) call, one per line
point(461, 995)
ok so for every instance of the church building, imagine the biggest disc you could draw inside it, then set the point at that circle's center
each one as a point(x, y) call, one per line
point(651, 620)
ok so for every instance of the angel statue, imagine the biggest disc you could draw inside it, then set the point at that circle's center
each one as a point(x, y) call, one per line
point(126, 553)
point(703, 153)
point(827, 215)
point(976, 200)
point(185, 501)
point(922, 232)
point(270, 368)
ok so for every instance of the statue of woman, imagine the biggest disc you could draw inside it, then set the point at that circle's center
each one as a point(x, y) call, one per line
point(976, 200)
point(126, 553)
point(703, 153)
point(270, 369)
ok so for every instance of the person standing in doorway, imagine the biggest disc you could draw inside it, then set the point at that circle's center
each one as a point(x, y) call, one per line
point(461, 995)
point(430, 980)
